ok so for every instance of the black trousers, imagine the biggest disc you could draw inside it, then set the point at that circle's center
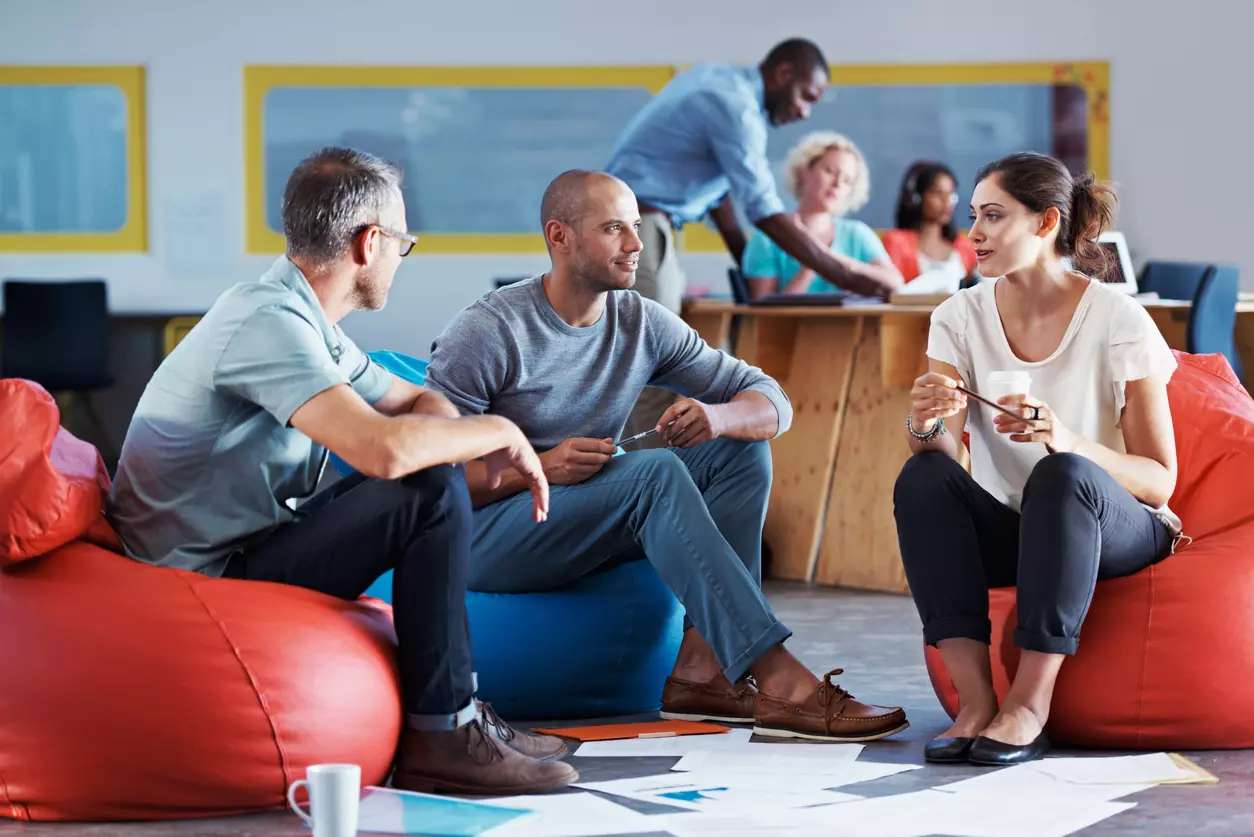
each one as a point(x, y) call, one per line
point(351, 533)
point(1077, 525)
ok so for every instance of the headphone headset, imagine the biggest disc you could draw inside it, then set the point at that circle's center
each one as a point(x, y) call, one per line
point(910, 190)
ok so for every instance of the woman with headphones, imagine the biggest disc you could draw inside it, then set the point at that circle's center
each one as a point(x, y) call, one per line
point(926, 241)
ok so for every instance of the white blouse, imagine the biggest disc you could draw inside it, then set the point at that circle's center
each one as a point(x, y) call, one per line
point(1111, 340)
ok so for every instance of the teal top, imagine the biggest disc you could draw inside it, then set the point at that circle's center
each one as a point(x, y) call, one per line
point(211, 464)
point(765, 259)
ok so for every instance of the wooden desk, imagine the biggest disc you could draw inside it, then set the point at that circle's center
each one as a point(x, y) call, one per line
point(848, 373)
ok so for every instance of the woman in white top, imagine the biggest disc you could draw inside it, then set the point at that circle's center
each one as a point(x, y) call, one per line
point(1072, 490)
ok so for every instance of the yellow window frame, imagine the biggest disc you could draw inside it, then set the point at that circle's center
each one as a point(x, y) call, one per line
point(133, 235)
point(260, 79)
point(1092, 76)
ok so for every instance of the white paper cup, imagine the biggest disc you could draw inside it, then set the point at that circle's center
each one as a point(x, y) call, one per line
point(997, 385)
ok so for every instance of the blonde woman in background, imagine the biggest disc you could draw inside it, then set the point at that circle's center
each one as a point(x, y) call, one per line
point(829, 177)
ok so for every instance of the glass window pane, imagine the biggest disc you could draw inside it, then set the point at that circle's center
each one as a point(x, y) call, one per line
point(475, 159)
point(62, 158)
point(963, 126)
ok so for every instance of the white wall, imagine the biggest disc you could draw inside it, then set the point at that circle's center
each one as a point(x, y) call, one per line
point(1181, 112)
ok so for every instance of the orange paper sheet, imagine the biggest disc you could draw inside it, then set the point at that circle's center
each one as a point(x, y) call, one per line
point(646, 729)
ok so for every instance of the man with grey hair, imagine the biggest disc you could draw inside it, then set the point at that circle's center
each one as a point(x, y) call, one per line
point(234, 430)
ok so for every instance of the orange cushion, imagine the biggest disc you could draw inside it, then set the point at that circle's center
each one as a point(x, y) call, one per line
point(1166, 657)
point(130, 692)
point(52, 486)
point(140, 693)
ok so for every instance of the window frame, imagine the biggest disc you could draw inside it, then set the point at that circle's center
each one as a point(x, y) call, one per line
point(132, 236)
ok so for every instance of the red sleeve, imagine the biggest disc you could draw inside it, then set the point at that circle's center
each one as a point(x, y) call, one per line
point(903, 249)
point(965, 251)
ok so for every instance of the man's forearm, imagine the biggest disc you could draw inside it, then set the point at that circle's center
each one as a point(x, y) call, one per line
point(749, 417)
point(797, 242)
point(431, 403)
point(724, 216)
point(481, 494)
point(414, 442)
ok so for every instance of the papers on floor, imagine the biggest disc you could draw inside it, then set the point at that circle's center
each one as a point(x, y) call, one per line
point(1026, 781)
point(832, 759)
point(569, 815)
point(1153, 768)
point(961, 815)
point(775, 790)
point(390, 811)
point(723, 792)
point(676, 746)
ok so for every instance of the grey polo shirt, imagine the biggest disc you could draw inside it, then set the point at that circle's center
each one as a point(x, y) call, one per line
point(210, 464)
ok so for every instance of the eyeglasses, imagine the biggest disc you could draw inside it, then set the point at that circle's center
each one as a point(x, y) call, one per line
point(407, 241)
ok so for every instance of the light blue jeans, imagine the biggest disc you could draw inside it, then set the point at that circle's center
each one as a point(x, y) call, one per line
point(695, 514)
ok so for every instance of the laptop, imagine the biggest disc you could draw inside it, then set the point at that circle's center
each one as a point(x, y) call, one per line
point(740, 293)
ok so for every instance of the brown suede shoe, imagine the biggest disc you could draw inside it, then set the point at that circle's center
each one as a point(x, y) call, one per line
point(718, 700)
point(472, 761)
point(829, 714)
point(542, 747)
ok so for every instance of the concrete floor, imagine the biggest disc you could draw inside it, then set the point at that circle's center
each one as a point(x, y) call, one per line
point(875, 639)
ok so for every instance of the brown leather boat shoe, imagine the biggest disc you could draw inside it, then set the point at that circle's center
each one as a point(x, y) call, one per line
point(828, 714)
point(534, 744)
point(718, 700)
point(472, 760)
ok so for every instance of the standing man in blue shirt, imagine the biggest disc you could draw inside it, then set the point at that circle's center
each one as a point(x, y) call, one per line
point(699, 145)
point(234, 429)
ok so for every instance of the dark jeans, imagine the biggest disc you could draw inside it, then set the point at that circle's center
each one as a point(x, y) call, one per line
point(1077, 525)
point(356, 530)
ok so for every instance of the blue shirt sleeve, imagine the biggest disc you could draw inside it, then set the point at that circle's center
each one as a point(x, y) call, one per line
point(278, 360)
point(864, 244)
point(759, 260)
point(737, 134)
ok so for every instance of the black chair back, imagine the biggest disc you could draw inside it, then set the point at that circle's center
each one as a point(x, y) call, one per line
point(56, 334)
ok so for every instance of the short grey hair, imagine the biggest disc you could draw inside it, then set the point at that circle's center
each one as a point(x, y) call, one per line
point(330, 196)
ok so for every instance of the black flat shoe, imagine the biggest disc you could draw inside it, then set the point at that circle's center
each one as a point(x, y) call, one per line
point(947, 750)
point(992, 753)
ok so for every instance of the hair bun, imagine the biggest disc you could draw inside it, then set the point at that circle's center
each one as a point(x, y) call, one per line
point(1083, 183)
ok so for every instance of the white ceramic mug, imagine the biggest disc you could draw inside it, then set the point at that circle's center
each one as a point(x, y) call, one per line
point(1000, 384)
point(334, 797)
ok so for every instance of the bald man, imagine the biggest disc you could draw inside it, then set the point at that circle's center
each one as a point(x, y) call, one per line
point(565, 355)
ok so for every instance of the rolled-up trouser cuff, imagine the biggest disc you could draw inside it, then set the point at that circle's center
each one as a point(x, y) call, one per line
point(958, 627)
point(1046, 644)
point(444, 723)
point(776, 634)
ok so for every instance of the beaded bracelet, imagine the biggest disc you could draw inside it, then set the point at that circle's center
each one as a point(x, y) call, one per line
point(936, 430)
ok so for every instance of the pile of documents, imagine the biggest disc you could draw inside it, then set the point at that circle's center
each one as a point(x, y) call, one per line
point(726, 783)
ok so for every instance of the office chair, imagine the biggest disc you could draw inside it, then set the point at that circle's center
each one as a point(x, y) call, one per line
point(1213, 317)
point(57, 335)
point(1171, 280)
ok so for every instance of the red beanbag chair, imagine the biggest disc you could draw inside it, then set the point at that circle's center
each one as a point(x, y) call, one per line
point(1166, 657)
point(52, 485)
point(131, 692)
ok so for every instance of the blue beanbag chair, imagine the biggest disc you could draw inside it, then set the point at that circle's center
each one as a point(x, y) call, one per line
point(598, 647)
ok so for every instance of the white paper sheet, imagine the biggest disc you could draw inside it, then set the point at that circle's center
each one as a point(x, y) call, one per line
point(391, 811)
point(772, 758)
point(1025, 780)
point(760, 824)
point(961, 815)
point(680, 745)
point(569, 815)
point(724, 792)
point(1152, 768)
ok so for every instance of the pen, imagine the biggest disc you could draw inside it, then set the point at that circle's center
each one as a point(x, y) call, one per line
point(636, 437)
